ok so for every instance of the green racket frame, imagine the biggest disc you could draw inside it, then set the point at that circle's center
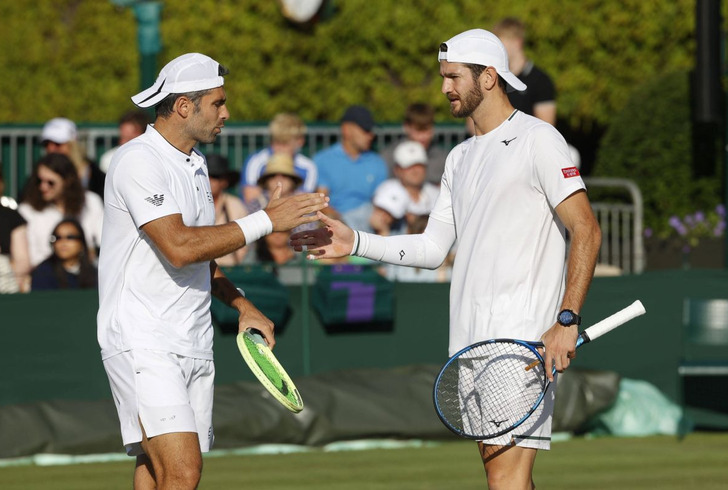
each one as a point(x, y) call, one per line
point(268, 370)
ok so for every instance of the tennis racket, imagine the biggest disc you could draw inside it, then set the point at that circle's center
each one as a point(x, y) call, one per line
point(492, 387)
point(268, 370)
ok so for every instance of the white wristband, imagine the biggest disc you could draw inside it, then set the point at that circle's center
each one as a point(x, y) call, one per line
point(255, 226)
point(355, 246)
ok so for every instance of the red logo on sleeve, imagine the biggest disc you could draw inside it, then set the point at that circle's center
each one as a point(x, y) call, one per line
point(570, 172)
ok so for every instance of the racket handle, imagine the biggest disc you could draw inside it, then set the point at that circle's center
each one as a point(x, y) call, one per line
point(613, 321)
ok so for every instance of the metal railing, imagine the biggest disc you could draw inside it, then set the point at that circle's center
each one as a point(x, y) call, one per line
point(621, 223)
point(20, 147)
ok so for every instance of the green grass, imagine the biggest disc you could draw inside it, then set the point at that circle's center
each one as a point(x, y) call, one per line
point(700, 461)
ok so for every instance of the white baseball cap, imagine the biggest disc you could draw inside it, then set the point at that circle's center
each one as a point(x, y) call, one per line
point(410, 153)
point(392, 197)
point(480, 47)
point(59, 130)
point(190, 72)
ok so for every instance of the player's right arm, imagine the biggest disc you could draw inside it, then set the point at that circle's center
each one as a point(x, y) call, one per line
point(427, 250)
point(182, 245)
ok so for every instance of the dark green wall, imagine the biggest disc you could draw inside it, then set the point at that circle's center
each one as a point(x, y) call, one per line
point(48, 348)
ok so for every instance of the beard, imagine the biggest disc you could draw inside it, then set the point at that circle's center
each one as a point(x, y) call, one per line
point(468, 103)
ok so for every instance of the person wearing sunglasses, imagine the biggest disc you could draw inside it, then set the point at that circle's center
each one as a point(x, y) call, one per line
point(54, 192)
point(68, 267)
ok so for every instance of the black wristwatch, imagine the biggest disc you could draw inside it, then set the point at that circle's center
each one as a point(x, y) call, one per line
point(568, 318)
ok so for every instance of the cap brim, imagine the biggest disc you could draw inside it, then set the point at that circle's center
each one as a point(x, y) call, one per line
point(151, 96)
point(513, 82)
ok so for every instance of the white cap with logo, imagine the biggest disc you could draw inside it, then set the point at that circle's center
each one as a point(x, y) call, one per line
point(392, 197)
point(480, 47)
point(59, 130)
point(190, 72)
point(410, 153)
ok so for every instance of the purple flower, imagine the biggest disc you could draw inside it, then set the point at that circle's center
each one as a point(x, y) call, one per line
point(720, 209)
point(700, 217)
point(648, 232)
point(675, 222)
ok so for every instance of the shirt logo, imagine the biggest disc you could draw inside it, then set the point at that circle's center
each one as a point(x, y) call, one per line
point(508, 142)
point(156, 199)
point(570, 172)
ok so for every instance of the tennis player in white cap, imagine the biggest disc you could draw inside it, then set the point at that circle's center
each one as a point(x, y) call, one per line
point(508, 195)
point(157, 273)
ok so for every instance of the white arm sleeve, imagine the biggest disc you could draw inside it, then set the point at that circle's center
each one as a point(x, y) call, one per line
point(427, 250)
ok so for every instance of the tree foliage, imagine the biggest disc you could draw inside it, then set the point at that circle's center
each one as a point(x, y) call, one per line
point(79, 58)
point(650, 142)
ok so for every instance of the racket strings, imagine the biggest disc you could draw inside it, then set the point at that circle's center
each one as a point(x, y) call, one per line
point(488, 390)
point(271, 372)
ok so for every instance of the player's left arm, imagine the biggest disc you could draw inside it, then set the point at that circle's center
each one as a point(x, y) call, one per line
point(250, 316)
point(576, 214)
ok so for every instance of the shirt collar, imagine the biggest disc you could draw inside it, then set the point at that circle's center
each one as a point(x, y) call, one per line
point(193, 161)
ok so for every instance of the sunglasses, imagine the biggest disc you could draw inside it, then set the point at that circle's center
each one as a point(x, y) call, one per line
point(51, 183)
point(56, 238)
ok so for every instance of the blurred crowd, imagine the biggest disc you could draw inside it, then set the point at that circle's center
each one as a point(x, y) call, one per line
point(51, 237)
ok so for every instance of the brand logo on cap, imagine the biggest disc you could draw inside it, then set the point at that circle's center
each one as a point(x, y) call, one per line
point(570, 172)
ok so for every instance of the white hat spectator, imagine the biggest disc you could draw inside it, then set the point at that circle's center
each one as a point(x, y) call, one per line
point(392, 197)
point(59, 130)
point(410, 153)
point(190, 72)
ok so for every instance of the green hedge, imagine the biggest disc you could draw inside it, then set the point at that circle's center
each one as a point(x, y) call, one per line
point(79, 58)
point(650, 141)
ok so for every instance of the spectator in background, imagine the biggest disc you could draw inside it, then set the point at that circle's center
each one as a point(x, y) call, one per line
point(539, 98)
point(349, 171)
point(68, 266)
point(419, 126)
point(60, 136)
point(390, 204)
point(132, 124)
point(53, 192)
point(287, 134)
point(228, 207)
point(14, 256)
point(279, 171)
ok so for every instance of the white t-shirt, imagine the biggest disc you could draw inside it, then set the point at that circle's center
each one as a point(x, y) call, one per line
point(500, 190)
point(428, 197)
point(41, 225)
point(145, 302)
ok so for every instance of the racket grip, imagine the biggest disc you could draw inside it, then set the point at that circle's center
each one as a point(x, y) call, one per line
point(613, 321)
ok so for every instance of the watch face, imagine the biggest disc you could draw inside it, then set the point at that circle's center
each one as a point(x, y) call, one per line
point(567, 318)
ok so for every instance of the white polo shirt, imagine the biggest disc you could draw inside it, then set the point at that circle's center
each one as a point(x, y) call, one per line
point(145, 302)
point(500, 190)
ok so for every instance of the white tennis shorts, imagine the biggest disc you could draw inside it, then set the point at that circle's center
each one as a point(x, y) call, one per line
point(476, 406)
point(167, 392)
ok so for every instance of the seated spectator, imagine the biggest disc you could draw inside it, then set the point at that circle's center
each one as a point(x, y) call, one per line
point(349, 171)
point(287, 133)
point(131, 125)
point(14, 257)
point(60, 136)
point(410, 170)
point(279, 171)
point(419, 126)
point(68, 267)
point(53, 192)
point(227, 206)
point(407, 195)
point(390, 201)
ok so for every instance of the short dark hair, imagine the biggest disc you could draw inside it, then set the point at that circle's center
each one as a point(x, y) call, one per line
point(166, 107)
point(419, 115)
point(138, 118)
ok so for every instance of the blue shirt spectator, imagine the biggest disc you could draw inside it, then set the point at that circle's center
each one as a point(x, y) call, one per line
point(349, 172)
